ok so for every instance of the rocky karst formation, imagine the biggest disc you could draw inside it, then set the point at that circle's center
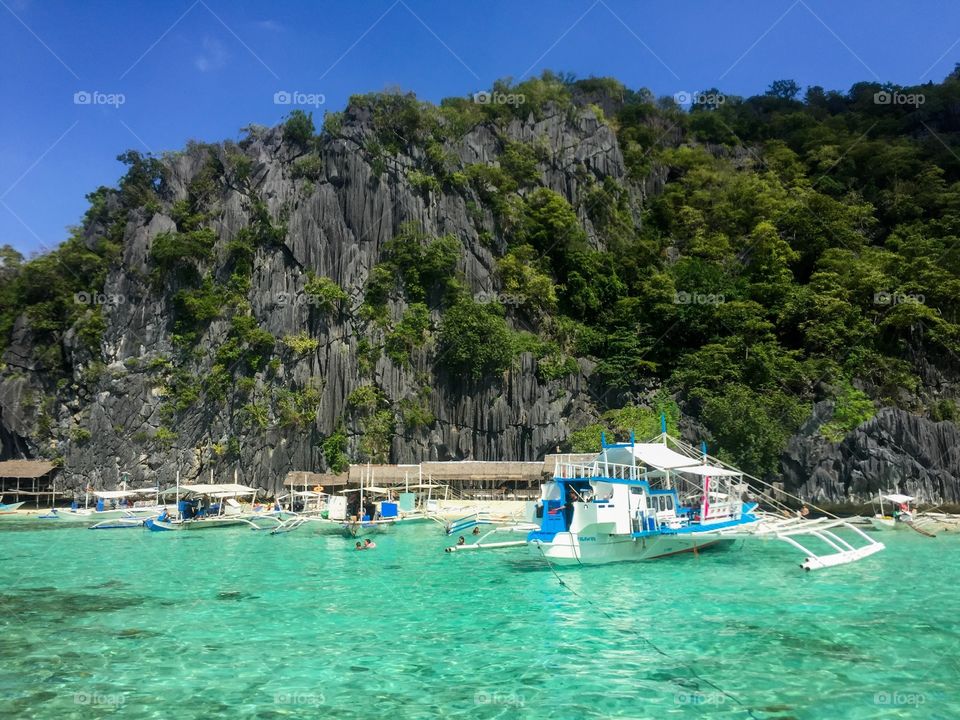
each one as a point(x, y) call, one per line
point(151, 395)
point(336, 226)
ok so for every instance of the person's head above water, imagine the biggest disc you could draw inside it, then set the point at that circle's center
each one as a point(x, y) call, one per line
point(461, 540)
point(359, 546)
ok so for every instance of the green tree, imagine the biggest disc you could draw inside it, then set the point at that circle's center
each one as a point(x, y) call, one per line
point(474, 339)
point(298, 129)
point(784, 89)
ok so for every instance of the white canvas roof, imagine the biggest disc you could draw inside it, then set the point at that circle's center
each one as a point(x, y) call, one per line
point(113, 494)
point(654, 455)
point(213, 489)
point(898, 498)
point(657, 456)
point(369, 489)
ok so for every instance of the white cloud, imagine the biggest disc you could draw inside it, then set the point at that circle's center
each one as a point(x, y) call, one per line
point(271, 25)
point(214, 55)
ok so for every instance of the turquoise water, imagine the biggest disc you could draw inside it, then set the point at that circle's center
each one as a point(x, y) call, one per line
point(241, 624)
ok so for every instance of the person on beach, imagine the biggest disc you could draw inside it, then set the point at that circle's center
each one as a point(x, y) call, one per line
point(369, 544)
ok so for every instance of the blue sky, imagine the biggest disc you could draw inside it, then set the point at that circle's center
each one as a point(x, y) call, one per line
point(205, 69)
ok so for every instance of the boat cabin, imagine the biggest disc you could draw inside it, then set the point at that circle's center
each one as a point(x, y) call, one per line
point(639, 489)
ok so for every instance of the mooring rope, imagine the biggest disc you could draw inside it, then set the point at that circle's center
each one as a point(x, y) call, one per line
point(646, 640)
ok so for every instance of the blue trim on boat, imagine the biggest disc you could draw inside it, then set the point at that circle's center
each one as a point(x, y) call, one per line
point(155, 525)
point(691, 529)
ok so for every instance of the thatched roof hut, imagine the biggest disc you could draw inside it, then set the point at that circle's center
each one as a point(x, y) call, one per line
point(28, 479)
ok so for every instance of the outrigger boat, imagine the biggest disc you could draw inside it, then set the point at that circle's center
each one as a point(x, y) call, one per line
point(905, 515)
point(331, 517)
point(902, 513)
point(205, 506)
point(640, 501)
point(111, 505)
point(10, 509)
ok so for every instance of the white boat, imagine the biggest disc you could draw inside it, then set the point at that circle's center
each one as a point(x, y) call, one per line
point(901, 515)
point(110, 505)
point(640, 501)
point(905, 516)
point(331, 515)
point(203, 506)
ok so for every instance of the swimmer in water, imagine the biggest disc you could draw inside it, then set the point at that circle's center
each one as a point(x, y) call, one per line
point(369, 544)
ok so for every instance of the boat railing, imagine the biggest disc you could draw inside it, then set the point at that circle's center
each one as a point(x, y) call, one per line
point(612, 471)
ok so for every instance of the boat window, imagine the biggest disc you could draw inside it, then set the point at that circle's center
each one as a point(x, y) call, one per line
point(662, 503)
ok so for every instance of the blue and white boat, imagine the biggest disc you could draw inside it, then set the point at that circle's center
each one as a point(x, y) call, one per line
point(641, 501)
point(638, 501)
point(203, 506)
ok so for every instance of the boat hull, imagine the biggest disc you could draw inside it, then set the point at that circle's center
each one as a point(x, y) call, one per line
point(350, 529)
point(567, 548)
point(95, 516)
point(344, 528)
point(888, 523)
point(205, 524)
point(11, 508)
point(124, 523)
point(254, 520)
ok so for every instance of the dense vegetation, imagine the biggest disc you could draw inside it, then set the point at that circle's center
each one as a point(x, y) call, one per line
point(802, 249)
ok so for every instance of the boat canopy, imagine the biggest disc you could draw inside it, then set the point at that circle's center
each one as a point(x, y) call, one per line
point(658, 456)
point(653, 455)
point(898, 498)
point(115, 494)
point(214, 489)
point(369, 489)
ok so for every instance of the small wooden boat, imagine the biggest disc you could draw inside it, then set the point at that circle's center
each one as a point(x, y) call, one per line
point(901, 516)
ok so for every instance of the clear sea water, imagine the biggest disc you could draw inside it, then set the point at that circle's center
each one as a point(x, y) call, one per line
point(240, 624)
